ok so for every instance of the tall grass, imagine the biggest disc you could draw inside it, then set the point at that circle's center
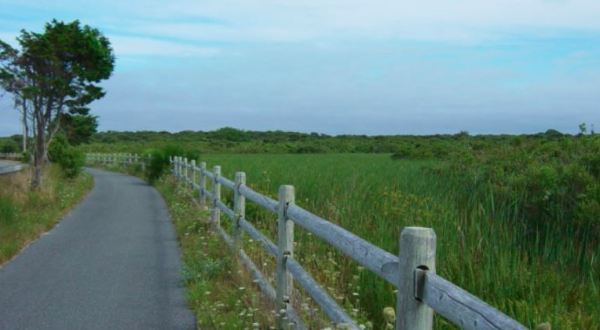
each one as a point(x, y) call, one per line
point(26, 214)
point(480, 245)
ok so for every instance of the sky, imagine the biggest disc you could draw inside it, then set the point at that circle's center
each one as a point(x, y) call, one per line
point(337, 67)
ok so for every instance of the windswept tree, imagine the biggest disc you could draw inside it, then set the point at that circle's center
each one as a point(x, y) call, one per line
point(55, 74)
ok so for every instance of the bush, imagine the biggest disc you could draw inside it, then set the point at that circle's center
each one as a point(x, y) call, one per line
point(70, 160)
point(9, 146)
point(159, 161)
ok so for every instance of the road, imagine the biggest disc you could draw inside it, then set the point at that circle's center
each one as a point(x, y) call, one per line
point(112, 263)
point(9, 166)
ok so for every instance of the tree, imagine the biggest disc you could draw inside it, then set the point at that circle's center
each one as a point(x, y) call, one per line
point(582, 129)
point(12, 80)
point(79, 126)
point(55, 72)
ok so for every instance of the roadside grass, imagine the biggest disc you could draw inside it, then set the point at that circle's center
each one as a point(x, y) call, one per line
point(26, 214)
point(219, 291)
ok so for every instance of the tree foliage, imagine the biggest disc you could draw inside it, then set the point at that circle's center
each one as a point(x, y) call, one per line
point(55, 73)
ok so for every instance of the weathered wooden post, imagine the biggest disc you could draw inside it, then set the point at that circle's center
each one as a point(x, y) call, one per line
point(175, 166)
point(179, 167)
point(193, 176)
point(185, 171)
point(216, 213)
point(239, 208)
point(417, 250)
point(285, 245)
point(177, 172)
point(202, 190)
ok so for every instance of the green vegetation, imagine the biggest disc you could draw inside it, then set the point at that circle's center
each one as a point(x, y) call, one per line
point(480, 244)
point(516, 216)
point(221, 296)
point(70, 159)
point(230, 140)
point(26, 214)
point(52, 78)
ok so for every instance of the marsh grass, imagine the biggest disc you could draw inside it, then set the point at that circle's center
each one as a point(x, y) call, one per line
point(480, 246)
point(26, 214)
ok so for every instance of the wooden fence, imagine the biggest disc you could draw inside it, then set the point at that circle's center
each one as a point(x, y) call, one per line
point(11, 155)
point(420, 291)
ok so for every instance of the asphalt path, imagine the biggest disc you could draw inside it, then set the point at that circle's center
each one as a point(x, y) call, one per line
point(9, 166)
point(112, 263)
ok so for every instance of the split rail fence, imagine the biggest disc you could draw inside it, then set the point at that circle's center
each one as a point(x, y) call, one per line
point(10, 155)
point(420, 291)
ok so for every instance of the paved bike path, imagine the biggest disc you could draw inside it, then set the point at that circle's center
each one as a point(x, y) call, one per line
point(112, 263)
point(9, 166)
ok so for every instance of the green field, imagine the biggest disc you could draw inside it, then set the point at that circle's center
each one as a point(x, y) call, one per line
point(481, 247)
point(517, 217)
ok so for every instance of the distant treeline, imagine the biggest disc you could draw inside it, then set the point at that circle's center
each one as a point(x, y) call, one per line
point(231, 140)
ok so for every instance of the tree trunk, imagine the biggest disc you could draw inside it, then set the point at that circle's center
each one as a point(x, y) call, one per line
point(39, 157)
point(25, 130)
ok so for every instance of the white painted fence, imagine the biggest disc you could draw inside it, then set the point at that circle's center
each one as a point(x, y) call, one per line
point(420, 290)
point(11, 155)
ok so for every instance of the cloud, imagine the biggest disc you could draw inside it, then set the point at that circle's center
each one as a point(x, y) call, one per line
point(349, 66)
point(424, 20)
point(140, 46)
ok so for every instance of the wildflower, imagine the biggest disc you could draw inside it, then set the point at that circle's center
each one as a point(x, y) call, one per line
point(389, 314)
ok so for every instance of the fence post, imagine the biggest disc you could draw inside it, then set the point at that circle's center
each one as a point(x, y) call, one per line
point(417, 250)
point(177, 167)
point(193, 177)
point(285, 245)
point(216, 214)
point(239, 208)
point(201, 194)
point(185, 171)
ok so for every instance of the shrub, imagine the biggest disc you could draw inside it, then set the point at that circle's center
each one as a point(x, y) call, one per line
point(9, 146)
point(159, 161)
point(70, 160)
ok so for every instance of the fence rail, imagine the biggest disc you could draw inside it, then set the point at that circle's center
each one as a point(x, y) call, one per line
point(420, 290)
point(11, 155)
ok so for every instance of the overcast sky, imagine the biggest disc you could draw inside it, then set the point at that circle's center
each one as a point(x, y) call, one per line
point(344, 66)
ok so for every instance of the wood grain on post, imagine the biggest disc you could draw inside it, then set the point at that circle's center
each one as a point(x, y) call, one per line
point(285, 245)
point(185, 171)
point(417, 251)
point(239, 208)
point(202, 190)
point(178, 167)
point(175, 166)
point(216, 213)
point(193, 177)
